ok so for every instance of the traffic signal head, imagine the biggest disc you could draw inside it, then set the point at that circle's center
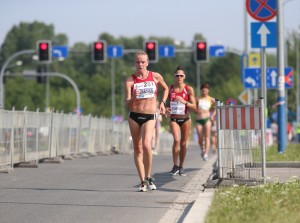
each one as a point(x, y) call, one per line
point(152, 51)
point(200, 50)
point(44, 50)
point(99, 52)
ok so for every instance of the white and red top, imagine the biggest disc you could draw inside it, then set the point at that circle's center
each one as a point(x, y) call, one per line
point(178, 108)
point(147, 87)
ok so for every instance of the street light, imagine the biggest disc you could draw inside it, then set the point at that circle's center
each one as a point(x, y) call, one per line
point(18, 63)
point(4, 66)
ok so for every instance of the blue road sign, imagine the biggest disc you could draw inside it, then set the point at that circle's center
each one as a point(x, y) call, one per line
point(261, 10)
point(59, 51)
point(114, 51)
point(252, 78)
point(217, 51)
point(166, 51)
point(272, 77)
point(263, 34)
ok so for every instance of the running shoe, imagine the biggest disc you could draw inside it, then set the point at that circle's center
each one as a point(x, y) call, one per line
point(174, 171)
point(150, 184)
point(202, 153)
point(205, 157)
point(143, 187)
point(154, 152)
point(181, 171)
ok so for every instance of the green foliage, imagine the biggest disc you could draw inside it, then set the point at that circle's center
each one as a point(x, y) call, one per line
point(278, 202)
point(292, 153)
point(94, 80)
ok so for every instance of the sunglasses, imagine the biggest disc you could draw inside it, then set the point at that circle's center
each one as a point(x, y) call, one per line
point(179, 75)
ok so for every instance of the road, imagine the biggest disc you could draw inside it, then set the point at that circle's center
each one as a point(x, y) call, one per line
point(99, 189)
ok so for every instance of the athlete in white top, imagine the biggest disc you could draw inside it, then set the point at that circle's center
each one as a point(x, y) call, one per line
point(205, 104)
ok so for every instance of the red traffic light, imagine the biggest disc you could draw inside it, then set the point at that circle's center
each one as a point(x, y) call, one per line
point(98, 45)
point(44, 51)
point(43, 46)
point(201, 45)
point(150, 46)
point(99, 51)
point(200, 51)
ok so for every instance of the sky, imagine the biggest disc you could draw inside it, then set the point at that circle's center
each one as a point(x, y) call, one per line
point(219, 21)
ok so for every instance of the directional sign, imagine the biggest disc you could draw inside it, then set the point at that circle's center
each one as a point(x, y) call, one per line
point(217, 51)
point(252, 78)
point(166, 51)
point(114, 51)
point(272, 77)
point(59, 52)
point(261, 10)
point(263, 35)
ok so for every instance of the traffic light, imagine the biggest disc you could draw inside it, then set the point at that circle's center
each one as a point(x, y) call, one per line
point(99, 51)
point(44, 50)
point(152, 51)
point(200, 51)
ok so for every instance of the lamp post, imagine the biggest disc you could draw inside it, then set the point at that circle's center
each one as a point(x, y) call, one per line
point(4, 67)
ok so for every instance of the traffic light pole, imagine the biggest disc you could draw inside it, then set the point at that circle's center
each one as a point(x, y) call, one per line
point(198, 78)
point(13, 56)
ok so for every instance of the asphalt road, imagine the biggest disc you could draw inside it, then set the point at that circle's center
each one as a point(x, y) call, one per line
point(98, 189)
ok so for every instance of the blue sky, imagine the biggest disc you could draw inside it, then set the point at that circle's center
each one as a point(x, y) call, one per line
point(220, 21)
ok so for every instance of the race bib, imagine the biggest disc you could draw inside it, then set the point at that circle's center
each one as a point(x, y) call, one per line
point(177, 108)
point(145, 89)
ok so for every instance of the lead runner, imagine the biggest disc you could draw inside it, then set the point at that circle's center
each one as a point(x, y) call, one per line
point(141, 96)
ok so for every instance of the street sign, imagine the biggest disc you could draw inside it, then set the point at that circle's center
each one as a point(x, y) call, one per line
point(254, 60)
point(59, 52)
point(243, 97)
point(217, 51)
point(230, 101)
point(166, 51)
point(252, 78)
point(261, 10)
point(263, 34)
point(114, 51)
point(272, 77)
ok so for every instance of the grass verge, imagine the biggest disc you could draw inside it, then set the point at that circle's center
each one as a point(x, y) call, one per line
point(276, 203)
point(273, 202)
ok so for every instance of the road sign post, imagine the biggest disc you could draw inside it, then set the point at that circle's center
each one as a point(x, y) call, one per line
point(281, 88)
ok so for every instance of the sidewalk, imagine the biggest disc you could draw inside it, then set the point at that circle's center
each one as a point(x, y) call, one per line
point(276, 172)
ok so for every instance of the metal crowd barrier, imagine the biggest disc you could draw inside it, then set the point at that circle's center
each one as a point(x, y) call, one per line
point(27, 136)
point(241, 141)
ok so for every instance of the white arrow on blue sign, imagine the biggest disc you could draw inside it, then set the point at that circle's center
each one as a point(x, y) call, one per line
point(252, 78)
point(263, 34)
point(59, 51)
point(272, 77)
point(166, 51)
point(114, 51)
point(217, 51)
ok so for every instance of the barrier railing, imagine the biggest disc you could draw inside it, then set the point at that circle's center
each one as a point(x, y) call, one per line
point(241, 141)
point(31, 136)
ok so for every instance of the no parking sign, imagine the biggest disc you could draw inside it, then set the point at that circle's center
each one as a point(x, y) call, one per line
point(261, 10)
